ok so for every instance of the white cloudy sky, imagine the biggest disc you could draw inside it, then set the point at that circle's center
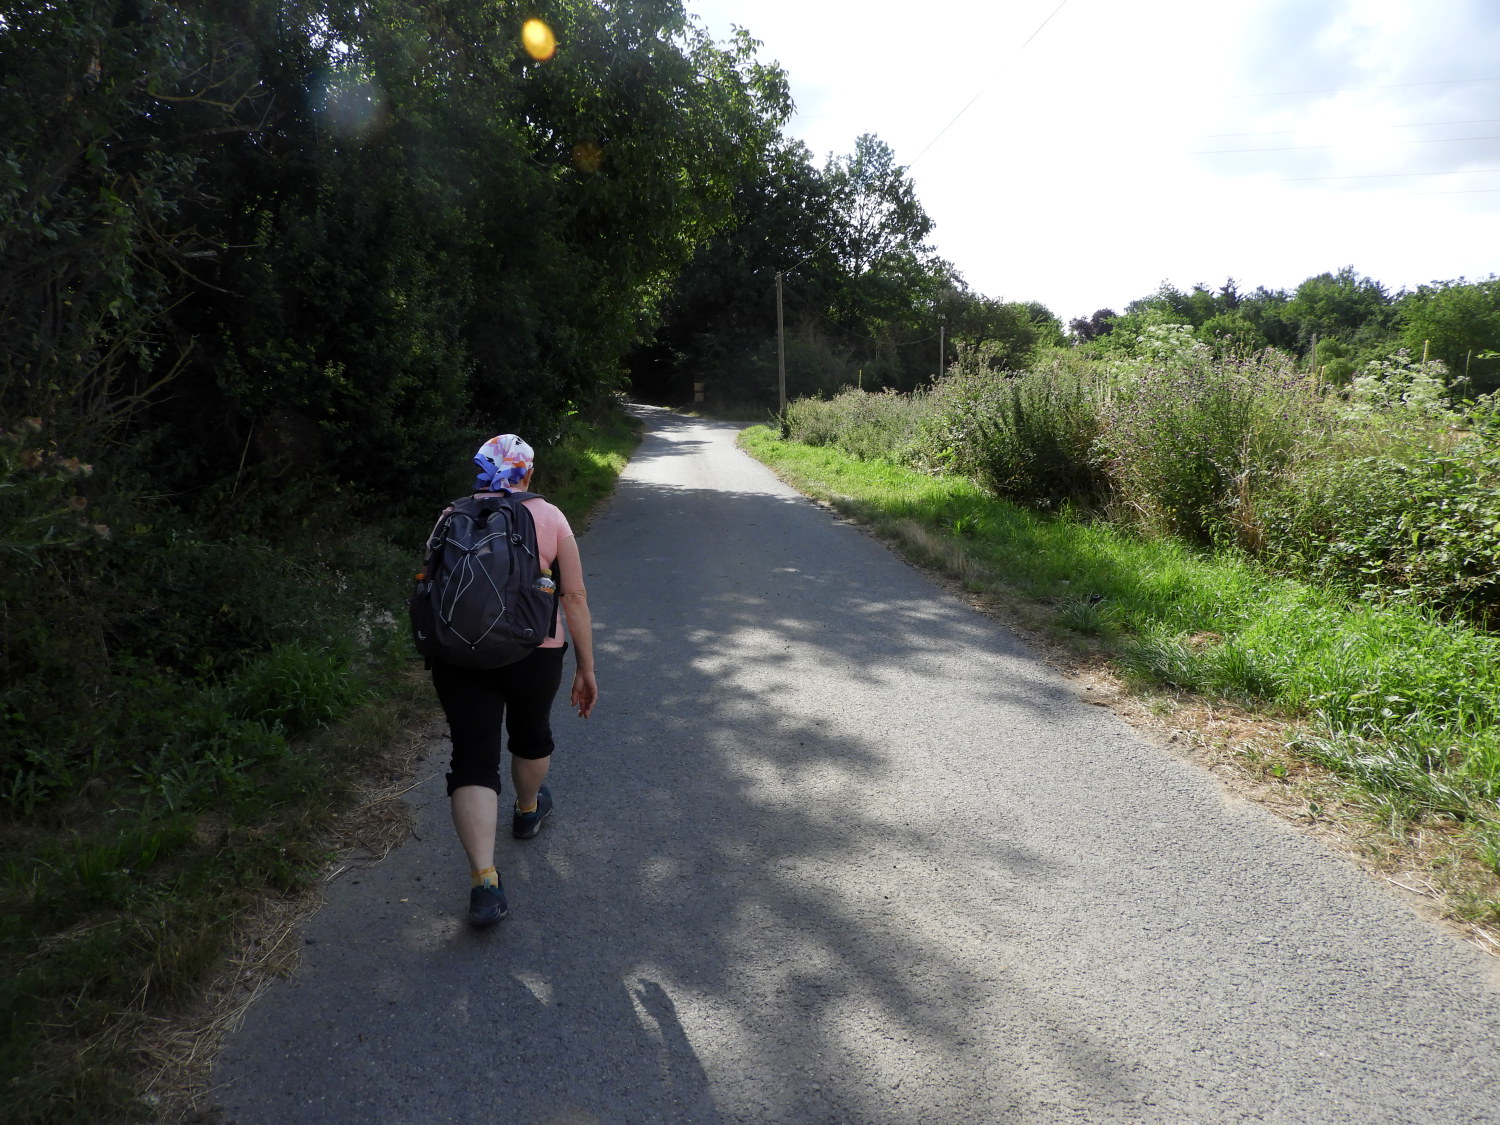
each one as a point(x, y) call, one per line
point(1137, 141)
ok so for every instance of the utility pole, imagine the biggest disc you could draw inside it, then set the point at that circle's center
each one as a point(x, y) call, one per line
point(780, 347)
point(942, 340)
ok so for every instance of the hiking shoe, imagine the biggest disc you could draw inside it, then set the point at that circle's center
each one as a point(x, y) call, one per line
point(487, 905)
point(524, 826)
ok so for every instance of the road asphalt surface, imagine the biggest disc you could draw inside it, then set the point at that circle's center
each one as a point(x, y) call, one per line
point(836, 848)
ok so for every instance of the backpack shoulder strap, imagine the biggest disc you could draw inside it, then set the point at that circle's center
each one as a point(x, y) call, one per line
point(434, 538)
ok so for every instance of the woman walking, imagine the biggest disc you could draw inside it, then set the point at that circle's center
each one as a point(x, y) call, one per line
point(517, 698)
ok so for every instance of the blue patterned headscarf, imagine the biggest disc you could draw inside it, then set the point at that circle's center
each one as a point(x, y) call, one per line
point(503, 462)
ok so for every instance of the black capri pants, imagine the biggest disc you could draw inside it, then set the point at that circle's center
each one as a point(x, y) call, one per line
point(479, 702)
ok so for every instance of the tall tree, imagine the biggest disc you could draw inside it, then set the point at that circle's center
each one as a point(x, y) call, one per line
point(1341, 304)
point(273, 262)
point(1086, 328)
point(880, 218)
point(720, 316)
point(1008, 333)
point(345, 222)
point(861, 287)
point(105, 111)
point(1457, 322)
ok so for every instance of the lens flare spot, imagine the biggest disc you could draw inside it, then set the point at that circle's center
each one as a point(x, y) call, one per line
point(351, 106)
point(538, 40)
point(587, 156)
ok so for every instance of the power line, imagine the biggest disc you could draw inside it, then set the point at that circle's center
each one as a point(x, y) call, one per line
point(1356, 89)
point(946, 127)
point(1387, 175)
point(1313, 148)
point(1038, 31)
point(979, 95)
point(780, 337)
point(1288, 132)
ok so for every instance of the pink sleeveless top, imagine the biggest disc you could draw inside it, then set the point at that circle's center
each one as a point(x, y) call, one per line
point(551, 529)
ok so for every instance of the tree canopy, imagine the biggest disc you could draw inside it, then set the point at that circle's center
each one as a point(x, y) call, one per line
point(1340, 321)
point(310, 227)
point(1457, 322)
point(867, 302)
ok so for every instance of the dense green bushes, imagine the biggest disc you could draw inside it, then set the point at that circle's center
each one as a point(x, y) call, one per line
point(1188, 446)
point(140, 644)
point(160, 644)
point(162, 770)
point(883, 425)
point(1382, 488)
point(1027, 434)
point(1402, 502)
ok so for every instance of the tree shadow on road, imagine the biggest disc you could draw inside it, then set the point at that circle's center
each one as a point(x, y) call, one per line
point(807, 864)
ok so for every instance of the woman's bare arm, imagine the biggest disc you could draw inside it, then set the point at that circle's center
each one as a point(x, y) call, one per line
point(585, 691)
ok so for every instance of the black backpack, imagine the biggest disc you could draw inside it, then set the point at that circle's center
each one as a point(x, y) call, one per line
point(482, 599)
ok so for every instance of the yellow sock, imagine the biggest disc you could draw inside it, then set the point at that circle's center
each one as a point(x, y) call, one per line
point(532, 808)
point(488, 875)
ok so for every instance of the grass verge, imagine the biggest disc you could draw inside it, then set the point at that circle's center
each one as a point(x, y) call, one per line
point(1381, 709)
point(140, 913)
point(580, 473)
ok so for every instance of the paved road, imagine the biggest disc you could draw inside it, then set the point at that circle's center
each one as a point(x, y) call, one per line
point(834, 848)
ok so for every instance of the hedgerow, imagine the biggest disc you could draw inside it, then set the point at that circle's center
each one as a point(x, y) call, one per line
point(1385, 488)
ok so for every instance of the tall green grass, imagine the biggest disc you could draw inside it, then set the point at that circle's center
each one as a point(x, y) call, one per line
point(1187, 448)
point(1385, 489)
point(1030, 436)
point(881, 424)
